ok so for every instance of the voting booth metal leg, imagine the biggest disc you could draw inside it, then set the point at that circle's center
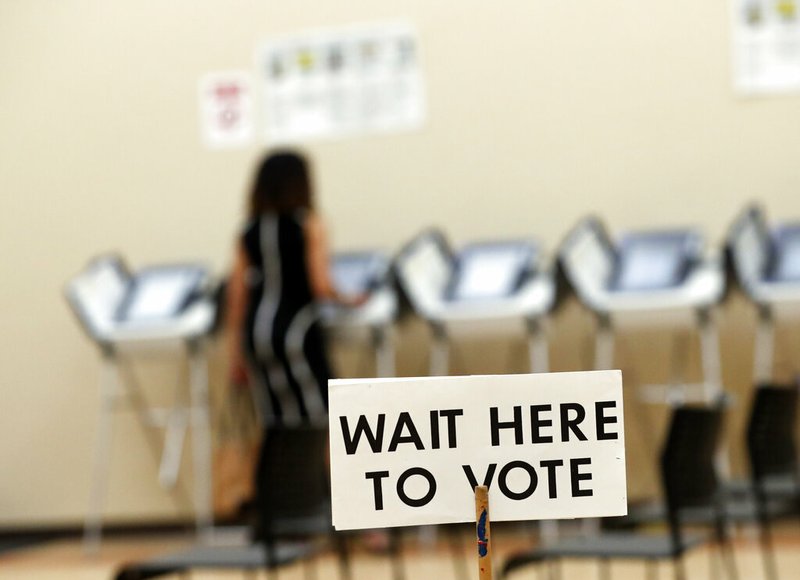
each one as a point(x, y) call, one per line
point(109, 386)
point(765, 346)
point(440, 351)
point(603, 360)
point(604, 343)
point(712, 377)
point(679, 358)
point(709, 346)
point(384, 351)
point(201, 437)
point(539, 360)
point(538, 351)
point(149, 419)
point(173, 446)
point(175, 425)
point(118, 382)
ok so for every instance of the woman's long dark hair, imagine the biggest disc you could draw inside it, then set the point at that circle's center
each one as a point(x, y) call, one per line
point(282, 185)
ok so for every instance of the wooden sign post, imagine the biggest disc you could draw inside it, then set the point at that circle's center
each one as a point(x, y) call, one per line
point(482, 532)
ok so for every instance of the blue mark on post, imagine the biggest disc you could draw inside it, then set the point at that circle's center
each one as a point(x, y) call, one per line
point(483, 541)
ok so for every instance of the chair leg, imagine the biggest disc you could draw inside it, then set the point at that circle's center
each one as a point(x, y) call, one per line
point(679, 568)
point(604, 569)
point(723, 541)
point(272, 559)
point(651, 569)
point(456, 547)
point(729, 561)
point(340, 542)
point(765, 536)
point(555, 569)
point(768, 556)
point(726, 551)
point(309, 570)
point(713, 563)
point(396, 553)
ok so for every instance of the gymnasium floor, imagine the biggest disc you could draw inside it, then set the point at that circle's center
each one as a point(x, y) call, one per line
point(65, 559)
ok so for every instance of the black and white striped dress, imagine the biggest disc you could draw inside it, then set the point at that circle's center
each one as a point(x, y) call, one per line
point(283, 340)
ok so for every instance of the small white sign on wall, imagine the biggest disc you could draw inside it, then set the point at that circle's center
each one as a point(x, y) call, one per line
point(411, 451)
point(226, 109)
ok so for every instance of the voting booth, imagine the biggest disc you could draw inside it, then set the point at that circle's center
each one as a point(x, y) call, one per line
point(658, 278)
point(766, 264)
point(162, 310)
point(365, 273)
point(483, 282)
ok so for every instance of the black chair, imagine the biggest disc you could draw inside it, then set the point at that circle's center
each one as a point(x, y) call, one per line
point(292, 491)
point(773, 489)
point(774, 468)
point(293, 511)
point(690, 481)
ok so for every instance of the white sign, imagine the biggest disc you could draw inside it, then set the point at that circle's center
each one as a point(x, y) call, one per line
point(335, 83)
point(411, 451)
point(226, 109)
point(766, 46)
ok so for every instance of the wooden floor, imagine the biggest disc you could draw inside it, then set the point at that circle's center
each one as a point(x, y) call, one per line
point(425, 557)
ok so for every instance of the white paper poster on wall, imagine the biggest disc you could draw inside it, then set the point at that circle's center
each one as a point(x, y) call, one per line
point(337, 83)
point(411, 451)
point(226, 109)
point(766, 46)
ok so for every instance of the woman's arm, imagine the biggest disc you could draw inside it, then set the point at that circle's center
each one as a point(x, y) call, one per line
point(318, 264)
point(235, 308)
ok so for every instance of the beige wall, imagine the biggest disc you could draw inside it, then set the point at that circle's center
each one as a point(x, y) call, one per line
point(538, 112)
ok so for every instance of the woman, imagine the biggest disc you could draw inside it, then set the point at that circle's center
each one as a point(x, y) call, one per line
point(280, 273)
